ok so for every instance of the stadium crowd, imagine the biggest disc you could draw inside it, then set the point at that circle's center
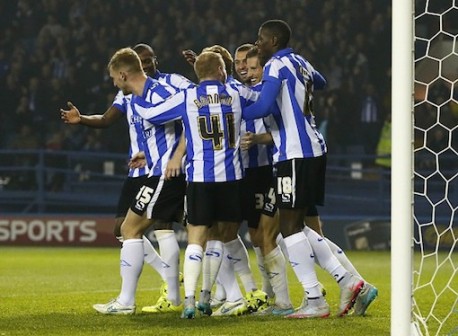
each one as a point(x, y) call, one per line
point(51, 50)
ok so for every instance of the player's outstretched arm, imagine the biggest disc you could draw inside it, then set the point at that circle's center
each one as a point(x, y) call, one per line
point(73, 116)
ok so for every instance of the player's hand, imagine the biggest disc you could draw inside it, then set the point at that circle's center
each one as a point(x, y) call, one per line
point(190, 56)
point(173, 168)
point(138, 160)
point(71, 116)
point(247, 140)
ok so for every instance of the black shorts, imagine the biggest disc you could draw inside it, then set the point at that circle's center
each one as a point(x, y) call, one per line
point(129, 190)
point(300, 182)
point(210, 202)
point(161, 199)
point(255, 185)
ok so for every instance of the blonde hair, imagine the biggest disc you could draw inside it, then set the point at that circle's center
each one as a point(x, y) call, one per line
point(207, 64)
point(227, 57)
point(126, 59)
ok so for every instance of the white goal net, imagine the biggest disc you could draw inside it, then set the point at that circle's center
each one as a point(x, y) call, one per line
point(435, 194)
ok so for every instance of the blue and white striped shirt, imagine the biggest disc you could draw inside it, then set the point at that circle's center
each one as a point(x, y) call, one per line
point(137, 126)
point(257, 155)
point(211, 115)
point(286, 96)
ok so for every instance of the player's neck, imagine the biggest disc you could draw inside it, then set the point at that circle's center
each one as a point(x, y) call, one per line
point(138, 84)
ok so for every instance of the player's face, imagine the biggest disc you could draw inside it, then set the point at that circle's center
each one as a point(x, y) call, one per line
point(265, 44)
point(149, 62)
point(240, 65)
point(254, 71)
point(120, 80)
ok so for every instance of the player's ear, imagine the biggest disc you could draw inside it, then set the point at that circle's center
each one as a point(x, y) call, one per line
point(274, 40)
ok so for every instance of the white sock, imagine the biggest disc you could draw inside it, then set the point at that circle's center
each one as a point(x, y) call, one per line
point(170, 254)
point(280, 242)
point(131, 268)
point(226, 276)
point(220, 292)
point(324, 255)
point(266, 286)
point(275, 266)
point(211, 263)
point(239, 256)
point(152, 258)
point(302, 260)
point(340, 254)
point(192, 266)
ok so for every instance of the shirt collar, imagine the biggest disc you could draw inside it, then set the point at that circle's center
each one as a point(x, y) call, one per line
point(283, 52)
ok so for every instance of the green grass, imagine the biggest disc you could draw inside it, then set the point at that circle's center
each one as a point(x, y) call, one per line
point(50, 291)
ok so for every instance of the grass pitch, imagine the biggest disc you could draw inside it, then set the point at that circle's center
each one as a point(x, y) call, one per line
point(50, 291)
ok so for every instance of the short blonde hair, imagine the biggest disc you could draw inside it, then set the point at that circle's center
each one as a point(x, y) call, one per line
point(207, 64)
point(127, 59)
point(227, 57)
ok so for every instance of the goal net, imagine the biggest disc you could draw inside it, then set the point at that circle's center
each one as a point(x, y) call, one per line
point(435, 179)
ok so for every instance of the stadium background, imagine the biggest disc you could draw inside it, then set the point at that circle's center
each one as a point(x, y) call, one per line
point(52, 51)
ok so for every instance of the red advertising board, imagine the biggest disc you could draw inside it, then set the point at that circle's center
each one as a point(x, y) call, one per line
point(57, 230)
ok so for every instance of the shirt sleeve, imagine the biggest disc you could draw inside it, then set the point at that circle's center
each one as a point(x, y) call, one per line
point(119, 102)
point(171, 108)
point(261, 108)
point(319, 82)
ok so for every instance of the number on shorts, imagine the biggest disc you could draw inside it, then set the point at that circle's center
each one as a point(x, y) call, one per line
point(284, 185)
point(144, 194)
point(259, 199)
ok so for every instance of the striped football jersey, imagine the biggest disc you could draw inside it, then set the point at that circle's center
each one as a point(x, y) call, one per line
point(292, 122)
point(211, 115)
point(257, 155)
point(137, 127)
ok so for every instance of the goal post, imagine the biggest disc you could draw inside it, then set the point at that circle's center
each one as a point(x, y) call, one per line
point(402, 167)
point(424, 180)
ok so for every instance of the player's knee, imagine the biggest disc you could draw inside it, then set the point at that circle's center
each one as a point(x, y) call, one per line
point(117, 226)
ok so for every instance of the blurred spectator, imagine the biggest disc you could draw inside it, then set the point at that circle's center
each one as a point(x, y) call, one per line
point(384, 145)
point(371, 118)
point(24, 176)
point(53, 49)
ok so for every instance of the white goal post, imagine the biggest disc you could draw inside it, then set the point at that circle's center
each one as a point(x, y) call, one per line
point(402, 167)
point(424, 194)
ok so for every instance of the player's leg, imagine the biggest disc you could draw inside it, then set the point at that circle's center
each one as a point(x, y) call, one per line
point(199, 211)
point(257, 241)
point(368, 292)
point(192, 266)
point(274, 260)
point(213, 258)
point(257, 180)
point(129, 190)
point(350, 285)
point(234, 304)
point(131, 265)
point(227, 287)
point(259, 299)
point(227, 214)
point(296, 189)
point(168, 208)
